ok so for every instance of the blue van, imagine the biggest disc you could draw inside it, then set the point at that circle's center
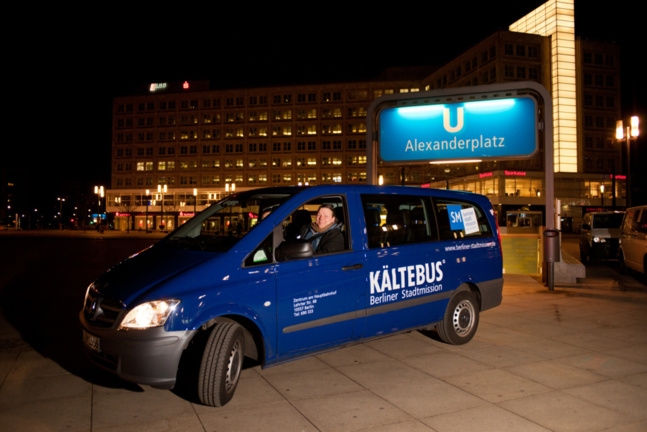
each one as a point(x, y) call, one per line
point(277, 274)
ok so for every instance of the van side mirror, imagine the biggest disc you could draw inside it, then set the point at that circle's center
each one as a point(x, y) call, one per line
point(294, 250)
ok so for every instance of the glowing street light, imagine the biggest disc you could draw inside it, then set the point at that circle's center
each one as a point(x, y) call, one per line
point(60, 212)
point(633, 131)
point(162, 189)
point(99, 191)
point(230, 187)
point(147, 197)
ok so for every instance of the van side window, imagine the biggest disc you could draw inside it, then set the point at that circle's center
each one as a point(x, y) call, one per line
point(460, 220)
point(263, 254)
point(297, 225)
point(393, 220)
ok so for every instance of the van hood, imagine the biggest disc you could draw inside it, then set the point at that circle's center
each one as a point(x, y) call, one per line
point(144, 270)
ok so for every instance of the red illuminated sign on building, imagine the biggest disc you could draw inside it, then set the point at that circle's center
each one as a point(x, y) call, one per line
point(508, 173)
point(157, 86)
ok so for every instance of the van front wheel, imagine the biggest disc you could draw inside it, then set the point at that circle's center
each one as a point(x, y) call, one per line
point(461, 319)
point(221, 365)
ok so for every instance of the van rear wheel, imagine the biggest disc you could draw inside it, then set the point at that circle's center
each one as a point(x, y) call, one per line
point(461, 319)
point(221, 365)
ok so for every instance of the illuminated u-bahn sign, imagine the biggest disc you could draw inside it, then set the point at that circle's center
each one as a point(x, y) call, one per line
point(483, 129)
point(497, 121)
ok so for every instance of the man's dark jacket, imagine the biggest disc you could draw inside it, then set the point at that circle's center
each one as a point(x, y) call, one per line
point(331, 240)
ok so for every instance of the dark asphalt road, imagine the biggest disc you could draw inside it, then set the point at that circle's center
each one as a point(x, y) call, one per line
point(42, 284)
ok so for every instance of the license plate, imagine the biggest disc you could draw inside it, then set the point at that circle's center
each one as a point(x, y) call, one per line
point(90, 341)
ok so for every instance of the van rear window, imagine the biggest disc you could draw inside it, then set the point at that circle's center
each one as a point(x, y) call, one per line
point(393, 220)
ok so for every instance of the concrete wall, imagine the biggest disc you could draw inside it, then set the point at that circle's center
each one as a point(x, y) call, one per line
point(523, 254)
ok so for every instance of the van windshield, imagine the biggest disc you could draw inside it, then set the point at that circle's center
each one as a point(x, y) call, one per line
point(611, 220)
point(221, 226)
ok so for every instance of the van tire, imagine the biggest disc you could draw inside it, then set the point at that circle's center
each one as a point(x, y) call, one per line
point(461, 319)
point(221, 365)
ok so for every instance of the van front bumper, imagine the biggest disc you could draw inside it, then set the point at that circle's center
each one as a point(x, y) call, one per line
point(608, 248)
point(149, 356)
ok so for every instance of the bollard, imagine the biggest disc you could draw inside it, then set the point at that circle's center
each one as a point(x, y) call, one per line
point(552, 251)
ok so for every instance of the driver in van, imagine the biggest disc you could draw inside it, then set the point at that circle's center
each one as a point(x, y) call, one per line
point(324, 233)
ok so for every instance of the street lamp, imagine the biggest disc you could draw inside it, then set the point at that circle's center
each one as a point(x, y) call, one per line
point(147, 197)
point(195, 201)
point(35, 218)
point(98, 190)
point(632, 133)
point(162, 189)
point(230, 187)
point(60, 212)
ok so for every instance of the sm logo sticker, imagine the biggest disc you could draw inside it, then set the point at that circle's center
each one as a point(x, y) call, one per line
point(462, 218)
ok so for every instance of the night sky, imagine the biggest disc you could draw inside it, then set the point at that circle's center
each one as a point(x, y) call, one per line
point(76, 66)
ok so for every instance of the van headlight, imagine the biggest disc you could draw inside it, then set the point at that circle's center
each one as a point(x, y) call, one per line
point(149, 314)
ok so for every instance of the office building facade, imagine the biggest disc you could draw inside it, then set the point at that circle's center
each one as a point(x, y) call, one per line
point(178, 147)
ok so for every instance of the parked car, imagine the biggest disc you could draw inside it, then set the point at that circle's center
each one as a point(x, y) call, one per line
point(600, 235)
point(244, 279)
point(633, 239)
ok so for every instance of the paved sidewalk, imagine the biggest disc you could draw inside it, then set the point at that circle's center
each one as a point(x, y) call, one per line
point(574, 359)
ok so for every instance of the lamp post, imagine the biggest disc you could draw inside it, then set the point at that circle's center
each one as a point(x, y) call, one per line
point(161, 189)
point(98, 190)
point(230, 187)
point(60, 213)
point(195, 201)
point(632, 133)
point(147, 198)
point(602, 195)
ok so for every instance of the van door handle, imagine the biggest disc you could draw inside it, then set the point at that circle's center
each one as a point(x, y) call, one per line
point(353, 267)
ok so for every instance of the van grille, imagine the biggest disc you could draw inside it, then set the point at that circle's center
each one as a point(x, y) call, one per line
point(101, 311)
